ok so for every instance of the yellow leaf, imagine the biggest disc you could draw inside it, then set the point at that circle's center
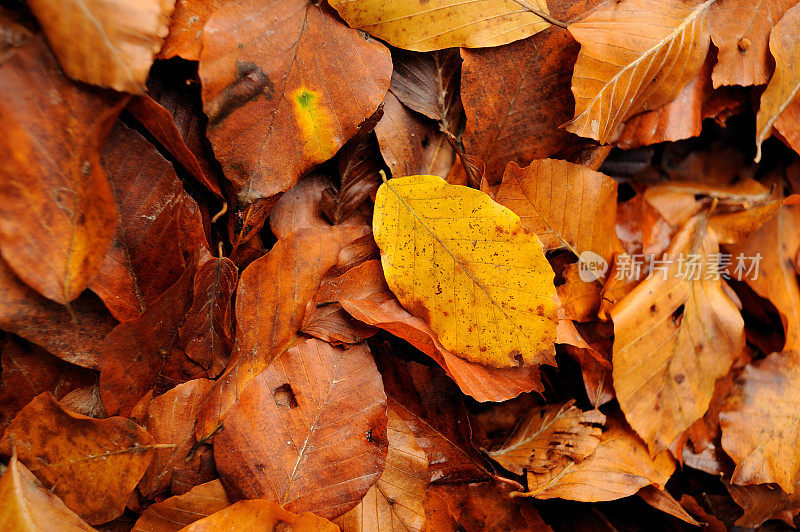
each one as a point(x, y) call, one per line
point(635, 56)
point(425, 25)
point(464, 264)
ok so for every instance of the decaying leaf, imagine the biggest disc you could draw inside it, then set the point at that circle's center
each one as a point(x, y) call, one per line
point(309, 432)
point(423, 25)
point(106, 43)
point(675, 334)
point(186, 28)
point(56, 209)
point(177, 512)
point(464, 264)
point(274, 110)
point(28, 506)
point(785, 82)
point(397, 500)
point(619, 467)
point(550, 437)
point(635, 56)
point(92, 464)
point(760, 424)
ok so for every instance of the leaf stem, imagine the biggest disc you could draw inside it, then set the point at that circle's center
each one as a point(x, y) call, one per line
point(541, 14)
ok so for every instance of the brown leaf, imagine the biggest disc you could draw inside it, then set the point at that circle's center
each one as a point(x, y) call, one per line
point(619, 467)
point(379, 307)
point(580, 298)
point(547, 194)
point(359, 164)
point(170, 420)
point(260, 515)
point(300, 207)
point(309, 432)
point(550, 438)
point(660, 499)
point(75, 334)
point(92, 464)
point(777, 242)
point(186, 28)
point(740, 30)
point(760, 423)
point(207, 330)
point(397, 500)
point(763, 502)
point(56, 206)
point(144, 354)
point(27, 505)
point(110, 44)
point(270, 306)
point(410, 143)
point(675, 334)
point(782, 88)
point(635, 56)
point(28, 371)
point(86, 401)
point(737, 226)
point(160, 230)
point(177, 512)
point(285, 90)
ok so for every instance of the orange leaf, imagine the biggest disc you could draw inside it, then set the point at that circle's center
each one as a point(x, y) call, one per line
point(260, 515)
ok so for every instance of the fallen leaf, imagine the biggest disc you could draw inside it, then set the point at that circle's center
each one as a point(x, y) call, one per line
point(580, 299)
point(28, 506)
point(410, 143)
point(740, 30)
point(359, 165)
point(693, 507)
point(260, 515)
point(619, 467)
point(300, 207)
point(73, 334)
point(421, 26)
point(274, 108)
point(760, 423)
point(654, 49)
point(550, 437)
point(763, 502)
point(782, 88)
point(675, 334)
point(186, 28)
point(28, 371)
point(110, 44)
point(735, 227)
point(777, 242)
point(207, 330)
point(93, 465)
point(456, 241)
point(159, 232)
point(174, 513)
point(397, 500)
point(546, 194)
point(377, 306)
point(307, 255)
point(170, 420)
point(660, 499)
point(56, 206)
point(309, 432)
point(86, 401)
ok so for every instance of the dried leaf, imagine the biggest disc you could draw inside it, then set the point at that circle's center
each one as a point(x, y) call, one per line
point(93, 465)
point(359, 165)
point(106, 43)
point(760, 423)
point(170, 515)
point(28, 506)
point(437, 239)
point(763, 502)
point(660, 499)
point(782, 88)
point(397, 500)
point(565, 205)
point(619, 467)
point(186, 28)
point(285, 90)
point(260, 515)
point(56, 206)
point(580, 298)
point(550, 437)
point(300, 207)
point(740, 30)
point(309, 432)
point(635, 56)
point(423, 26)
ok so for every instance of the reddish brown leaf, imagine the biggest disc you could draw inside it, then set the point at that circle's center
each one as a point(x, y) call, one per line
point(309, 432)
point(177, 512)
point(763, 502)
point(159, 232)
point(660, 499)
point(56, 206)
point(186, 28)
point(260, 515)
point(92, 464)
point(358, 180)
point(300, 207)
point(285, 90)
point(75, 334)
